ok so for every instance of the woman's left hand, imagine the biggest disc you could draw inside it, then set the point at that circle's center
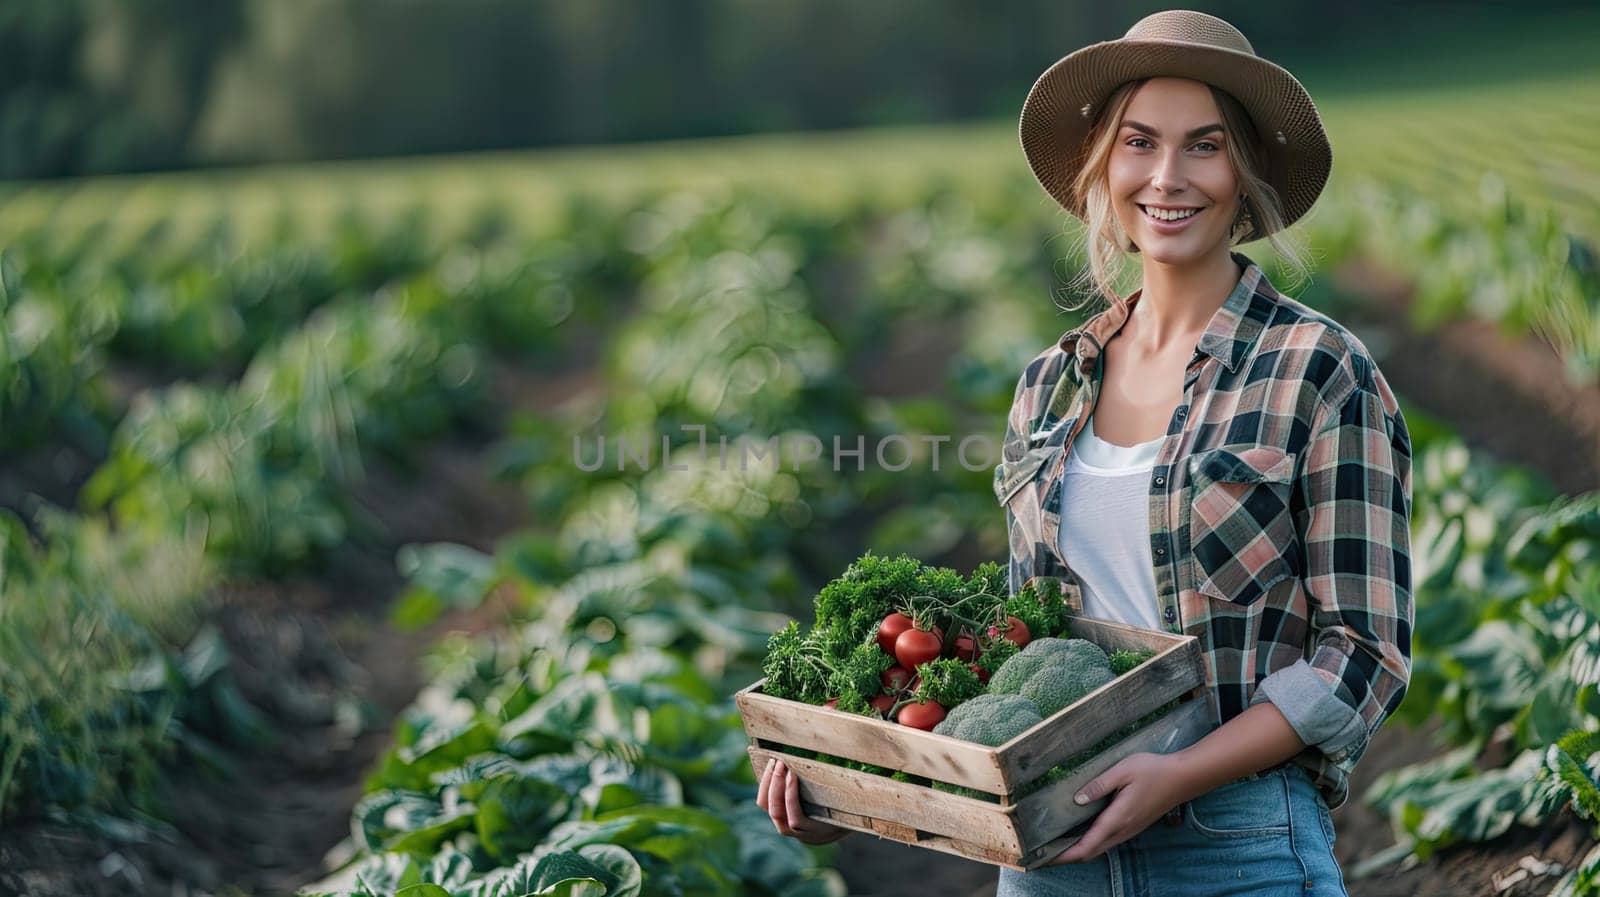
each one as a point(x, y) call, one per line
point(1143, 787)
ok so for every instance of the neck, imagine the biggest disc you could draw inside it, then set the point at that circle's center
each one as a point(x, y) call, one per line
point(1176, 302)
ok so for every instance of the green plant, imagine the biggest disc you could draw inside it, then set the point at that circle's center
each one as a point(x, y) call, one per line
point(1054, 672)
point(992, 719)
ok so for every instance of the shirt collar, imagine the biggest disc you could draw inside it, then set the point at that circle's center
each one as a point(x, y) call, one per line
point(1228, 337)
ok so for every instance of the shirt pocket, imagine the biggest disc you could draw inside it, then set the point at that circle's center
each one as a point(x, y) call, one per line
point(1012, 477)
point(1241, 530)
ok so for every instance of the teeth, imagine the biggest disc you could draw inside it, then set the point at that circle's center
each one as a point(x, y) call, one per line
point(1168, 216)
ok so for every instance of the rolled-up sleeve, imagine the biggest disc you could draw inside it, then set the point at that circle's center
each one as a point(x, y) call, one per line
point(1353, 516)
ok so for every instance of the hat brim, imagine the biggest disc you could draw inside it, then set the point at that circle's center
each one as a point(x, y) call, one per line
point(1065, 100)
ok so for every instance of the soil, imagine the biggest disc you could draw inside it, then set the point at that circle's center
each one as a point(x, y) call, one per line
point(1509, 396)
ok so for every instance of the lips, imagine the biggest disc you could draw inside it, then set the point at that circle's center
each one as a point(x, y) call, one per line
point(1170, 227)
point(1195, 209)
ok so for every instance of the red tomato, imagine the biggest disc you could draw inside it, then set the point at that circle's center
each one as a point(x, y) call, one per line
point(983, 674)
point(966, 648)
point(916, 646)
point(890, 629)
point(895, 678)
point(1018, 632)
point(921, 716)
point(883, 703)
point(831, 703)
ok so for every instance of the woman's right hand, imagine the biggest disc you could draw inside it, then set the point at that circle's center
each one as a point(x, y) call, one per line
point(779, 794)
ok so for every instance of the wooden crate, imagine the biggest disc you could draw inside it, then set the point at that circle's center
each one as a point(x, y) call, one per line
point(1021, 833)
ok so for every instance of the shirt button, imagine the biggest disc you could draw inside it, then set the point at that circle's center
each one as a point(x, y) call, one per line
point(1161, 552)
point(1160, 480)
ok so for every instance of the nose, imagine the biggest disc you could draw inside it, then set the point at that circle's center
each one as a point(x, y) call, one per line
point(1168, 174)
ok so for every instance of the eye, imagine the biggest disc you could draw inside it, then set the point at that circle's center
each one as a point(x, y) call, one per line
point(1208, 143)
point(1130, 142)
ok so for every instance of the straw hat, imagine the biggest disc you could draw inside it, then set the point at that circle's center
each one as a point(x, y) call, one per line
point(1062, 105)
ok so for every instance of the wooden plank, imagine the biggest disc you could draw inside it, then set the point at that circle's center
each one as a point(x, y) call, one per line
point(868, 740)
point(956, 846)
point(1079, 726)
point(903, 811)
point(1113, 636)
point(1050, 811)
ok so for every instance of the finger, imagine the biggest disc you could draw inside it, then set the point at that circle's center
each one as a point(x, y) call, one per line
point(775, 800)
point(773, 775)
point(797, 816)
point(1101, 834)
point(1101, 785)
point(761, 786)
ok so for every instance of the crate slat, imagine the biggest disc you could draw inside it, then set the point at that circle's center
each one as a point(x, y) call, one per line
point(907, 807)
point(868, 740)
point(1113, 636)
point(867, 825)
point(1079, 726)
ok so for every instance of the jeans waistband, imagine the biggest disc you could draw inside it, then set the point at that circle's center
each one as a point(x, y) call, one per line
point(1287, 764)
point(1174, 817)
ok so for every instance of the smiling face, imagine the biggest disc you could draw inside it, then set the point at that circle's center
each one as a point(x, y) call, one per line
point(1170, 155)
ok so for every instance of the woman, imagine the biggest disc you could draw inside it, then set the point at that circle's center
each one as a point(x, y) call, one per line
point(1209, 457)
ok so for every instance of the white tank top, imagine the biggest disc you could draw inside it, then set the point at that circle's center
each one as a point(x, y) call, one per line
point(1105, 536)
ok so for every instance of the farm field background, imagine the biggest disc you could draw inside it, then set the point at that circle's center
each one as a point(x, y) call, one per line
point(302, 587)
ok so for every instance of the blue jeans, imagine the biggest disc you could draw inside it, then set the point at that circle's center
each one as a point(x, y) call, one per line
point(1267, 835)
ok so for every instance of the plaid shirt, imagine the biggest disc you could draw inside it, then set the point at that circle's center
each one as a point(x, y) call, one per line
point(1280, 507)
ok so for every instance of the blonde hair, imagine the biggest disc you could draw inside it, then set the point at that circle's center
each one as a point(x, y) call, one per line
point(1104, 245)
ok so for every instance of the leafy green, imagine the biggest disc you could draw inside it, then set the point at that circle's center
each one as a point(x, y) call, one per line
point(948, 681)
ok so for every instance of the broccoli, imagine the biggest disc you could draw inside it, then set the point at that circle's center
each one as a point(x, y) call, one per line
point(1060, 684)
point(1052, 673)
point(1009, 676)
point(990, 719)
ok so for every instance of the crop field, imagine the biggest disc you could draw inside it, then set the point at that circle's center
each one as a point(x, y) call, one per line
point(301, 587)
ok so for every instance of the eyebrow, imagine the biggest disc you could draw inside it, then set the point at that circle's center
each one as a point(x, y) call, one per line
point(1203, 129)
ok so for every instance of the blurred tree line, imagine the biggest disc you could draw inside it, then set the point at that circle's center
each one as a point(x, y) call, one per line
point(90, 86)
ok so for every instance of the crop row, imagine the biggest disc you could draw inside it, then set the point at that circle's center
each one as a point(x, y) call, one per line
point(1506, 657)
point(240, 474)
